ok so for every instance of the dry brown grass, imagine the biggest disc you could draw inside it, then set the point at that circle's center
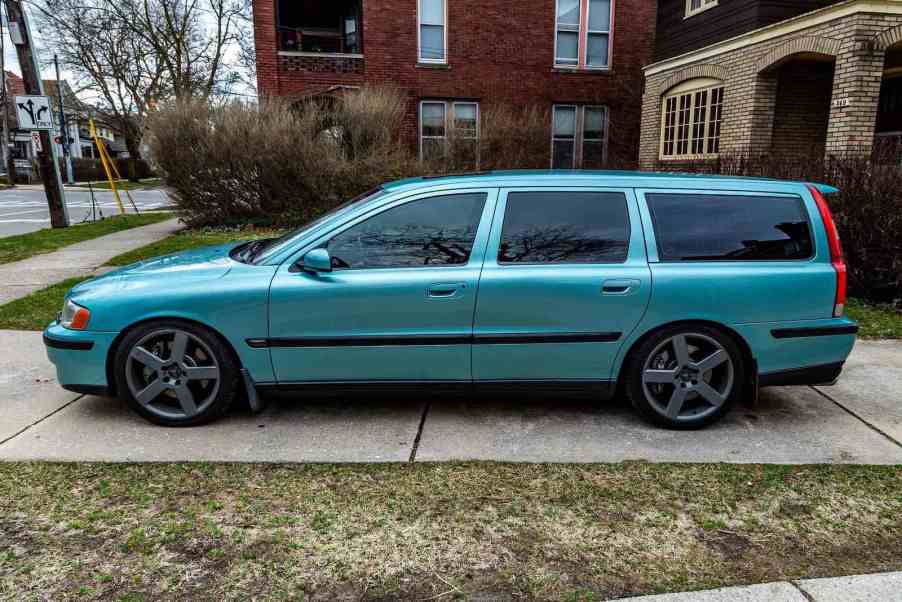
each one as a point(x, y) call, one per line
point(541, 532)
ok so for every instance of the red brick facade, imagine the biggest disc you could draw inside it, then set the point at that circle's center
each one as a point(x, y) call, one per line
point(498, 52)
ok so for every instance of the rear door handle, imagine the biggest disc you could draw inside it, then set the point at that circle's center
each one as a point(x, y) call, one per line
point(620, 286)
point(445, 291)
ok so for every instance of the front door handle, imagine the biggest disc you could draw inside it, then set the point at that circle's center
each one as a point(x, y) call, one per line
point(445, 291)
point(620, 286)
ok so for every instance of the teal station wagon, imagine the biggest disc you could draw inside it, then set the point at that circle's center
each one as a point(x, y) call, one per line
point(686, 293)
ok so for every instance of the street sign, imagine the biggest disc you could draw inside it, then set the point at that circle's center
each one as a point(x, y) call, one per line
point(34, 112)
point(36, 141)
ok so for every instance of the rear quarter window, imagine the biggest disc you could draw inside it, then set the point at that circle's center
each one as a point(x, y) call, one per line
point(729, 227)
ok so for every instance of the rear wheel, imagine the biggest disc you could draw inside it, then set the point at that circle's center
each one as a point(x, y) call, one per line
point(176, 374)
point(685, 377)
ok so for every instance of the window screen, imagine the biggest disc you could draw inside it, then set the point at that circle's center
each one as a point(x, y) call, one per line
point(430, 232)
point(729, 227)
point(565, 227)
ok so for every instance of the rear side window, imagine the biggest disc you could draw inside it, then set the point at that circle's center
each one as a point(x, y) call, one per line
point(565, 227)
point(712, 227)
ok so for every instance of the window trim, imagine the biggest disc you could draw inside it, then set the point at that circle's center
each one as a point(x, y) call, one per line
point(450, 106)
point(703, 6)
point(691, 88)
point(579, 133)
point(420, 58)
point(582, 44)
point(653, 222)
point(493, 252)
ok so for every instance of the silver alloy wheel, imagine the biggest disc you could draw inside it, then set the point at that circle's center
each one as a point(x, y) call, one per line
point(172, 373)
point(687, 377)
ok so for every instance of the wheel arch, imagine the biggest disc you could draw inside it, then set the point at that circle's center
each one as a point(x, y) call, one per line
point(114, 346)
point(748, 357)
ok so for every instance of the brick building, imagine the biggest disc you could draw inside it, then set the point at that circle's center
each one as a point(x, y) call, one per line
point(581, 60)
point(806, 78)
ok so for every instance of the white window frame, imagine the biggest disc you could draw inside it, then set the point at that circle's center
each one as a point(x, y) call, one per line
point(450, 106)
point(691, 88)
point(579, 132)
point(582, 33)
point(420, 58)
point(702, 7)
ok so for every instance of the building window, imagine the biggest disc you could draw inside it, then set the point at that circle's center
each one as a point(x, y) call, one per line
point(579, 136)
point(450, 126)
point(691, 120)
point(432, 38)
point(583, 34)
point(693, 7)
point(313, 26)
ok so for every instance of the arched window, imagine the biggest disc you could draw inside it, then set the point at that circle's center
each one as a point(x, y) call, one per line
point(691, 118)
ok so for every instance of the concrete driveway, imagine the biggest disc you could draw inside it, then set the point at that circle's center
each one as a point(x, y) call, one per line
point(857, 421)
point(24, 208)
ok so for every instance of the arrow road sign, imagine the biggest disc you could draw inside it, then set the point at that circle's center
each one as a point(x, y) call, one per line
point(34, 112)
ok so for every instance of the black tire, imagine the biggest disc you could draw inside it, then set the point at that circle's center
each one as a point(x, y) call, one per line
point(203, 350)
point(688, 381)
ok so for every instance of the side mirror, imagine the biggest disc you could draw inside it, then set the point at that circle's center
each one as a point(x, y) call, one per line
point(317, 260)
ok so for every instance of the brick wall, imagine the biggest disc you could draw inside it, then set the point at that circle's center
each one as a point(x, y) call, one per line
point(498, 52)
point(856, 43)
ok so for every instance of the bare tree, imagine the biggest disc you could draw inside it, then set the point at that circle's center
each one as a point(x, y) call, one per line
point(129, 55)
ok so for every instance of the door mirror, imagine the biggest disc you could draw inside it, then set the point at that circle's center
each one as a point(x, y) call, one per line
point(317, 260)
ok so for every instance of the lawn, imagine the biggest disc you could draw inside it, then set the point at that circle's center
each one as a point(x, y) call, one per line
point(189, 239)
point(435, 531)
point(145, 184)
point(22, 246)
point(876, 321)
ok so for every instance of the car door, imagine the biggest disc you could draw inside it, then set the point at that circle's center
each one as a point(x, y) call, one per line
point(564, 282)
point(398, 304)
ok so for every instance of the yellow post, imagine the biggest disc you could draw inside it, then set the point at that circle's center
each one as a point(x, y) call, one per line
point(104, 160)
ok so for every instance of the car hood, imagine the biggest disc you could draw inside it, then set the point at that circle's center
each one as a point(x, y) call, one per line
point(172, 270)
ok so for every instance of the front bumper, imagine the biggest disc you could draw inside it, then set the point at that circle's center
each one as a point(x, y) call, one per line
point(80, 358)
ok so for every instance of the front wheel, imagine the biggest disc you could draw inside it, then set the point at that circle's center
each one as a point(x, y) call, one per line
point(685, 377)
point(175, 373)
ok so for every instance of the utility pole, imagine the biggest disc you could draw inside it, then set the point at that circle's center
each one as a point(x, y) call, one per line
point(7, 155)
point(64, 131)
point(31, 74)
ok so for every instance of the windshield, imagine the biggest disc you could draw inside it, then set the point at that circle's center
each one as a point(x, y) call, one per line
point(273, 245)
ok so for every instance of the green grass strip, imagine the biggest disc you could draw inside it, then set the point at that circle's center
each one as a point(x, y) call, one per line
point(23, 246)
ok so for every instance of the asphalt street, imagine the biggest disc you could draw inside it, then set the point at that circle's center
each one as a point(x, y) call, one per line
point(24, 208)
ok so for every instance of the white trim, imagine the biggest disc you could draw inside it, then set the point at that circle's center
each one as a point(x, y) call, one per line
point(444, 59)
point(607, 33)
point(450, 106)
point(788, 26)
point(703, 6)
point(579, 121)
point(691, 91)
point(325, 55)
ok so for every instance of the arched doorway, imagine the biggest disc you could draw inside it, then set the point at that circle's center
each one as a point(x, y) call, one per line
point(888, 128)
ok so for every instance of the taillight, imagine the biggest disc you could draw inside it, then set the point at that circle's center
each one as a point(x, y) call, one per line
point(836, 257)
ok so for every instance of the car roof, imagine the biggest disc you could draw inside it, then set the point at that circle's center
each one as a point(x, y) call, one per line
point(633, 179)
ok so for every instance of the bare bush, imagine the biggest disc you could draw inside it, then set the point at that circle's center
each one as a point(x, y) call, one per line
point(277, 163)
point(514, 138)
point(867, 209)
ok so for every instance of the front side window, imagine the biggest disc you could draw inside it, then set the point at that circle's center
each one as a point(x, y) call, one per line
point(436, 231)
point(432, 40)
point(709, 227)
point(583, 33)
point(691, 120)
point(449, 123)
point(564, 227)
point(579, 136)
point(696, 6)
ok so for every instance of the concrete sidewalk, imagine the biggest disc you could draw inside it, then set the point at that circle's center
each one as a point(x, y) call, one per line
point(22, 278)
point(789, 425)
point(883, 587)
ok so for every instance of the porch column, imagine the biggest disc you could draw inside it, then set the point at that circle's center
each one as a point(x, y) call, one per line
point(856, 93)
point(761, 115)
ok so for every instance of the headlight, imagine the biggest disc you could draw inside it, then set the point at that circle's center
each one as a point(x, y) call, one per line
point(74, 316)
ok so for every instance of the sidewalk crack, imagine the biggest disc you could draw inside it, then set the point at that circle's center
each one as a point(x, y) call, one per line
point(416, 440)
point(805, 594)
point(854, 414)
point(40, 420)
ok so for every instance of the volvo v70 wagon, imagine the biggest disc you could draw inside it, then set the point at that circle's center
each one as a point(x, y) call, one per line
point(685, 293)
